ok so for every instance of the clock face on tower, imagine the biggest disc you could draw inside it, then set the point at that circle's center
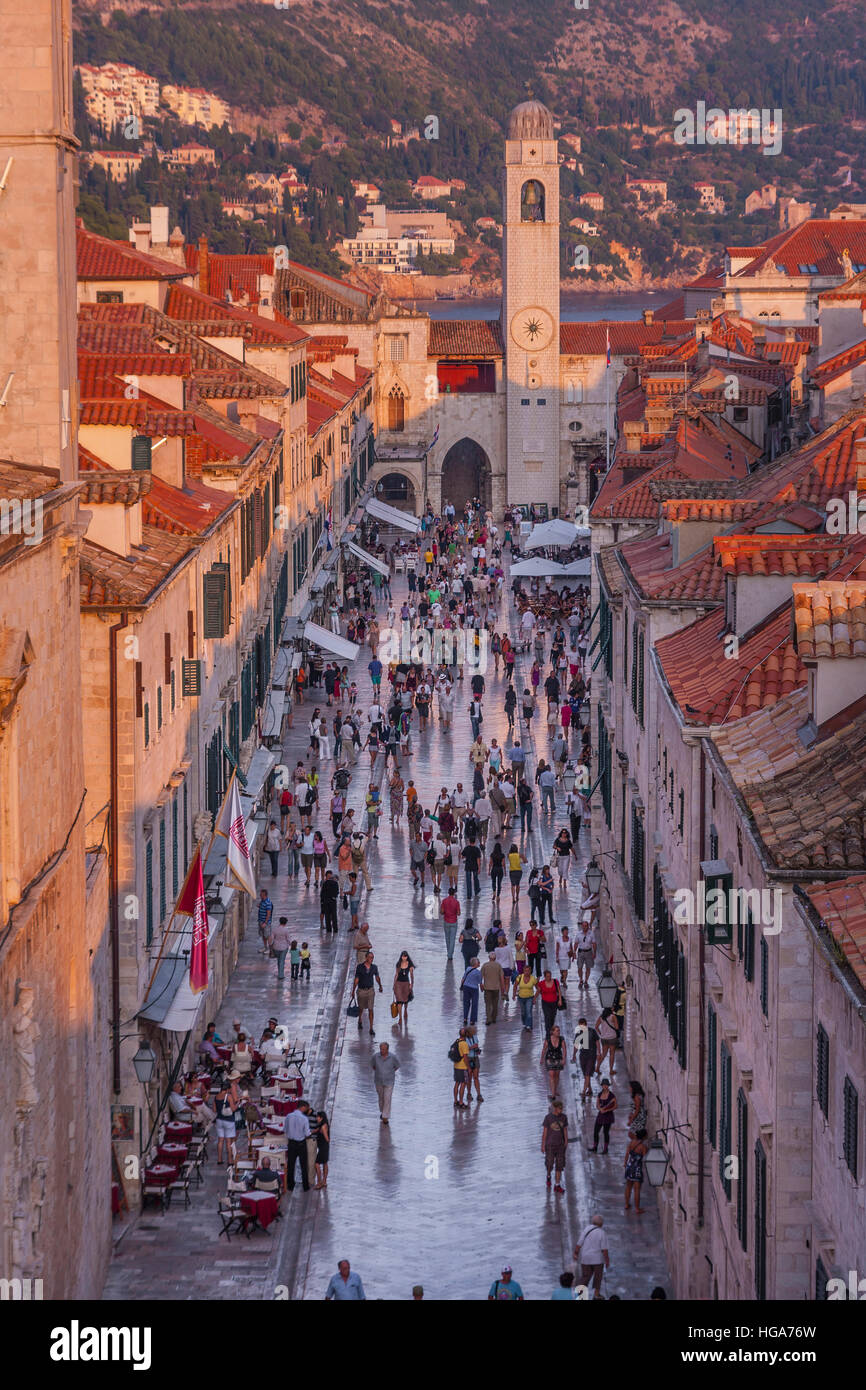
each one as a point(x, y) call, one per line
point(532, 329)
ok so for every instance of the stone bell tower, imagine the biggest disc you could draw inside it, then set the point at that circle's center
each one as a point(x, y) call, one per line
point(530, 305)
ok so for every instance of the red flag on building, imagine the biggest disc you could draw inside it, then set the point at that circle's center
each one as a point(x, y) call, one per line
point(191, 903)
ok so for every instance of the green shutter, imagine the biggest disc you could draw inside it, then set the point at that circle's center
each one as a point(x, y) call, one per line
point(214, 603)
point(765, 976)
point(190, 677)
point(185, 827)
point(162, 883)
point(749, 948)
point(742, 1169)
point(148, 892)
point(850, 1125)
point(174, 851)
point(725, 1070)
point(712, 1074)
point(173, 692)
point(760, 1222)
point(159, 707)
point(146, 725)
point(822, 1070)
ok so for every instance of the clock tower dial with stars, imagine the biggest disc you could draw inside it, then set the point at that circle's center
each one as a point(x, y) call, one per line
point(530, 305)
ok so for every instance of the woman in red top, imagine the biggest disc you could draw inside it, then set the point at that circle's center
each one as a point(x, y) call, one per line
point(551, 994)
point(534, 940)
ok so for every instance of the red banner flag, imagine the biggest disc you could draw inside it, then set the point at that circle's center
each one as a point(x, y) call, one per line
point(191, 903)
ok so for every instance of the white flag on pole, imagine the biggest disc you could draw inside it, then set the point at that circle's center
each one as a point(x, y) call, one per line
point(230, 824)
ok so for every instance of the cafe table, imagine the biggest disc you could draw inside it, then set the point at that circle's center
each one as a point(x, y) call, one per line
point(173, 1153)
point(160, 1175)
point(261, 1206)
point(178, 1131)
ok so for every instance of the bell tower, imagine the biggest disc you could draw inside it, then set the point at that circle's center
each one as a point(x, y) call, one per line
point(530, 305)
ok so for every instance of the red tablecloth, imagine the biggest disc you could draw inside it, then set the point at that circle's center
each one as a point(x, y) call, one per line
point(160, 1175)
point(173, 1153)
point(178, 1131)
point(275, 1127)
point(224, 1052)
point(203, 1079)
point(262, 1205)
point(283, 1105)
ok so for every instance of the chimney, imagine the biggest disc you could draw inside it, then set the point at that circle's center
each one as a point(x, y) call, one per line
point(159, 225)
point(790, 335)
point(648, 316)
point(203, 268)
point(633, 433)
point(759, 333)
point(824, 634)
point(717, 307)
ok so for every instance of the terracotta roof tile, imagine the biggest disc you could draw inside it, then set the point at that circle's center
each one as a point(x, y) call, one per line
point(710, 687)
point(724, 509)
point(648, 560)
point(842, 909)
point(100, 258)
point(808, 806)
point(778, 554)
point(464, 338)
point(118, 581)
point(818, 241)
point(830, 619)
point(626, 336)
point(838, 365)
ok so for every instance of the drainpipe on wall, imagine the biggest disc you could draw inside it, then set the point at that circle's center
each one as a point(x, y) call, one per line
point(113, 866)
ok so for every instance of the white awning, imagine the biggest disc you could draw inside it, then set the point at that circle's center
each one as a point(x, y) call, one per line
point(394, 516)
point(577, 569)
point(272, 715)
point(323, 637)
point(280, 673)
point(369, 559)
point(537, 566)
point(556, 532)
point(171, 1003)
point(263, 761)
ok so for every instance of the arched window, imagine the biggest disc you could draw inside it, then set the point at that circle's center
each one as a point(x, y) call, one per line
point(532, 201)
point(396, 410)
point(574, 392)
point(775, 314)
point(763, 314)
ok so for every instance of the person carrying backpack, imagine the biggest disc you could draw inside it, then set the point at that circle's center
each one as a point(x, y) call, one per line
point(457, 1055)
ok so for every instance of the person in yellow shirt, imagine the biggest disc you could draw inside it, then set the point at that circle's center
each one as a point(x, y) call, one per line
point(461, 1072)
point(525, 989)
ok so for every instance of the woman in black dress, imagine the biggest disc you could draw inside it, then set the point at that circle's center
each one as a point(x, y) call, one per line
point(497, 869)
point(404, 980)
point(322, 1130)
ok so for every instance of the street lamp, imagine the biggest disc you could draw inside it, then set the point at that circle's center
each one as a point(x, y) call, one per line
point(656, 1163)
point(656, 1160)
point(144, 1062)
point(569, 777)
point(608, 989)
point(593, 877)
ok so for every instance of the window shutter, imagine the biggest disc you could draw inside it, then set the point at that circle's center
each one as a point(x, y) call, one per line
point(742, 1174)
point(174, 850)
point(258, 524)
point(162, 884)
point(185, 827)
point(146, 725)
point(760, 1222)
point(822, 1071)
point(749, 949)
point(682, 1007)
point(168, 658)
point(682, 811)
point(850, 1124)
point(634, 667)
point(139, 691)
point(640, 652)
point(159, 707)
point(191, 677)
point(148, 892)
point(725, 1117)
point(765, 976)
point(173, 692)
point(214, 603)
point(712, 1074)
point(720, 933)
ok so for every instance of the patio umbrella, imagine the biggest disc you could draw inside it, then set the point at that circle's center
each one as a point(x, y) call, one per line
point(535, 565)
point(556, 532)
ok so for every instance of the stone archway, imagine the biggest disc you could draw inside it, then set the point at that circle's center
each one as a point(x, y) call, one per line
point(466, 474)
point(398, 490)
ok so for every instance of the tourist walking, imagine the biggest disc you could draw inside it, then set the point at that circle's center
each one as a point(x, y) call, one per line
point(279, 943)
point(525, 989)
point(470, 986)
point(449, 910)
point(345, 1287)
point(584, 1052)
point(458, 1052)
point(554, 1143)
point(634, 1157)
point(607, 1028)
point(404, 986)
point(592, 1253)
point(606, 1108)
point(505, 1288)
point(364, 985)
point(553, 1058)
point(494, 984)
point(385, 1068)
point(297, 1130)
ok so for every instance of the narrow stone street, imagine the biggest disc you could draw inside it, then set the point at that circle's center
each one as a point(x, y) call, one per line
point(441, 1197)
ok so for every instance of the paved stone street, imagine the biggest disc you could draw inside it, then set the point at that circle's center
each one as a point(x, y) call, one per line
point(442, 1197)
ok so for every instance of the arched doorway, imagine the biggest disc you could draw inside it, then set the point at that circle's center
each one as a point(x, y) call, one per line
point(466, 474)
point(397, 490)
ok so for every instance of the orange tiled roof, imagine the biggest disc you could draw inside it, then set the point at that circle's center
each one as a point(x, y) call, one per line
point(464, 338)
point(648, 560)
point(842, 909)
point(818, 242)
point(711, 687)
point(830, 619)
point(211, 315)
point(808, 806)
point(839, 364)
point(778, 554)
point(626, 336)
point(725, 509)
point(117, 581)
point(100, 258)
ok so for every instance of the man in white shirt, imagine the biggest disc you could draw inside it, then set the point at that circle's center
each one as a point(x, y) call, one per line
point(593, 1254)
point(459, 805)
point(297, 1127)
point(483, 812)
point(507, 788)
point(584, 947)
